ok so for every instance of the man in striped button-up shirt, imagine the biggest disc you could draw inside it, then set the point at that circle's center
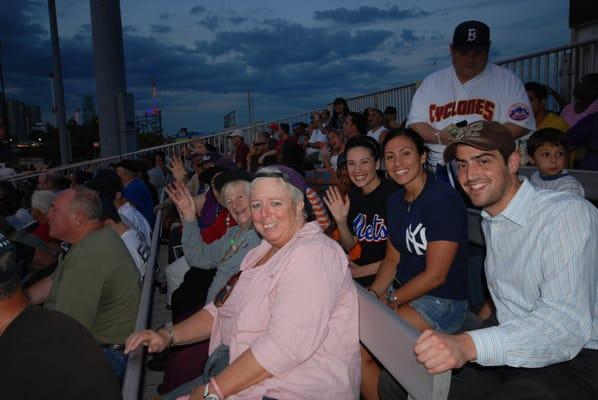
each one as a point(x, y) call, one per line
point(541, 267)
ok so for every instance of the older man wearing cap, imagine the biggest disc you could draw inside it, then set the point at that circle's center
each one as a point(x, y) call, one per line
point(471, 89)
point(45, 354)
point(541, 253)
point(240, 149)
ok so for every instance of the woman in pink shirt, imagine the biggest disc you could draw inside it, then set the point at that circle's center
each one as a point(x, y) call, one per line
point(290, 318)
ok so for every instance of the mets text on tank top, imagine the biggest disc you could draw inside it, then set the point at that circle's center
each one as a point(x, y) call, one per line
point(375, 231)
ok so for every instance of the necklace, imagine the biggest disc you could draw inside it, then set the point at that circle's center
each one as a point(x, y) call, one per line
point(266, 257)
point(415, 197)
point(235, 244)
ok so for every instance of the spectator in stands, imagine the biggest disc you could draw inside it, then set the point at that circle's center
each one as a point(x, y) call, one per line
point(97, 282)
point(108, 185)
point(45, 354)
point(41, 201)
point(586, 100)
point(136, 242)
point(284, 136)
point(425, 264)
point(541, 268)
point(300, 133)
point(340, 111)
point(314, 354)
point(471, 89)
point(240, 149)
point(154, 172)
point(48, 181)
point(584, 134)
point(376, 125)
point(548, 152)
point(390, 118)
point(361, 215)
point(317, 137)
point(355, 125)
point(538, 94)
point(135, 190)
point(226, 253)
point(329, 153)
point(260, 153)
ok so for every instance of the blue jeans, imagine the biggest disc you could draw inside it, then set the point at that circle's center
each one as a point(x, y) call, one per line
point(444, 315)
point(117, 360)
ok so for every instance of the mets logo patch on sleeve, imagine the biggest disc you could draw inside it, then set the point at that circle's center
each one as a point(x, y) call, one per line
point(519, 112)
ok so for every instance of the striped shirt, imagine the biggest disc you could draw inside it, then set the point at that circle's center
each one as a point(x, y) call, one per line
point(318, 208)
point(562, 182)
point(541, 267)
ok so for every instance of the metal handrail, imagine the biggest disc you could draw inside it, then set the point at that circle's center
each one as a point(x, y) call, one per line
point(169, 148)
point(132, 379)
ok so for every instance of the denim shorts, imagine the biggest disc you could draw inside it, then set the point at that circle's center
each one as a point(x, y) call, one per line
point(444, 315)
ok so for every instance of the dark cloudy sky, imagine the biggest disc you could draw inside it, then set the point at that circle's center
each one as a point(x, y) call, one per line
point(294, 55)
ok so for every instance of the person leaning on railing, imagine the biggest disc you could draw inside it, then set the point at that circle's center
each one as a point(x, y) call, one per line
point(314, 354)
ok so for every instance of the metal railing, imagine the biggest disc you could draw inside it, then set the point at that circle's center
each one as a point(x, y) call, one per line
point(135, 365)
point(219, 140)
point(558, 68)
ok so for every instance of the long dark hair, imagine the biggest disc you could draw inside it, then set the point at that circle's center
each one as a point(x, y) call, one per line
point(412, 135)
point(336, 121)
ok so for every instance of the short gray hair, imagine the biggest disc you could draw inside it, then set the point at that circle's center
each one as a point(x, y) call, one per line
point(42, 200)
point(296, 194)
point(87, 202)
point(232, 185)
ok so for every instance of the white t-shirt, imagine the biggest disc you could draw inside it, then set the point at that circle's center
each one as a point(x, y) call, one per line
point(316, 136)
point(496, 94)
point(134, 219)
point(138, 248)
point(561, 183)
point(376, 134)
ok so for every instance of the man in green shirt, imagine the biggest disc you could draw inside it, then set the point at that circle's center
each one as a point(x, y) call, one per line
point(97, 282)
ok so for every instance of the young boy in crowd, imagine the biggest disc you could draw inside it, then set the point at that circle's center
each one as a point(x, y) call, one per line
point(549, 154)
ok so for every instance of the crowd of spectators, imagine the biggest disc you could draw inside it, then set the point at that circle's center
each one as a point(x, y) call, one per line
point(296, 215)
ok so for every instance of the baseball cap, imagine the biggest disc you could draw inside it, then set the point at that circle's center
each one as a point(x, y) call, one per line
point(230, 176)
point(236, 133)
point(287, 174)
point(482, 135)
point(471, 35)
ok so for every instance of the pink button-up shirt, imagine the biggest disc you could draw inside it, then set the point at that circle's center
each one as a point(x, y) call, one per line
point(298, 314)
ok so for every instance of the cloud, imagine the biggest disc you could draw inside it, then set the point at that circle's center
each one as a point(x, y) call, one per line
point(211, 22)
point(368, 14)
point(165, 16)
point(290, 43)
point(408, 35)
point(197, 10)
point(129, 29)
point(160, 29)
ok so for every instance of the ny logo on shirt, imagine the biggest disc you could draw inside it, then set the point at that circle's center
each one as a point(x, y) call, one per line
point(416, 238)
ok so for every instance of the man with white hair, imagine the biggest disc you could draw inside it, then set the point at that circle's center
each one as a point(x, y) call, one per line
point(97, 282)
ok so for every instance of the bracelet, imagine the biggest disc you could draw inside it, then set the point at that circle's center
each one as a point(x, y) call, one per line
point(209, 396)
point(373, 292)
point(437, 134)
point(168, 329)
point(393, 300)
point(216, 387)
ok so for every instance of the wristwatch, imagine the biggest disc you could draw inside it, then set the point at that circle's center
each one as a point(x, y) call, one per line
point(393, 300)
point(209, 396)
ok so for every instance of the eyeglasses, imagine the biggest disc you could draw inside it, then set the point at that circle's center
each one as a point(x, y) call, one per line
point(258, 143)
point(224, 293)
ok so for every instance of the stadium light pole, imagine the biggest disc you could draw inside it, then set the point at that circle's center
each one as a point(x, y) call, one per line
point(63, 134)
